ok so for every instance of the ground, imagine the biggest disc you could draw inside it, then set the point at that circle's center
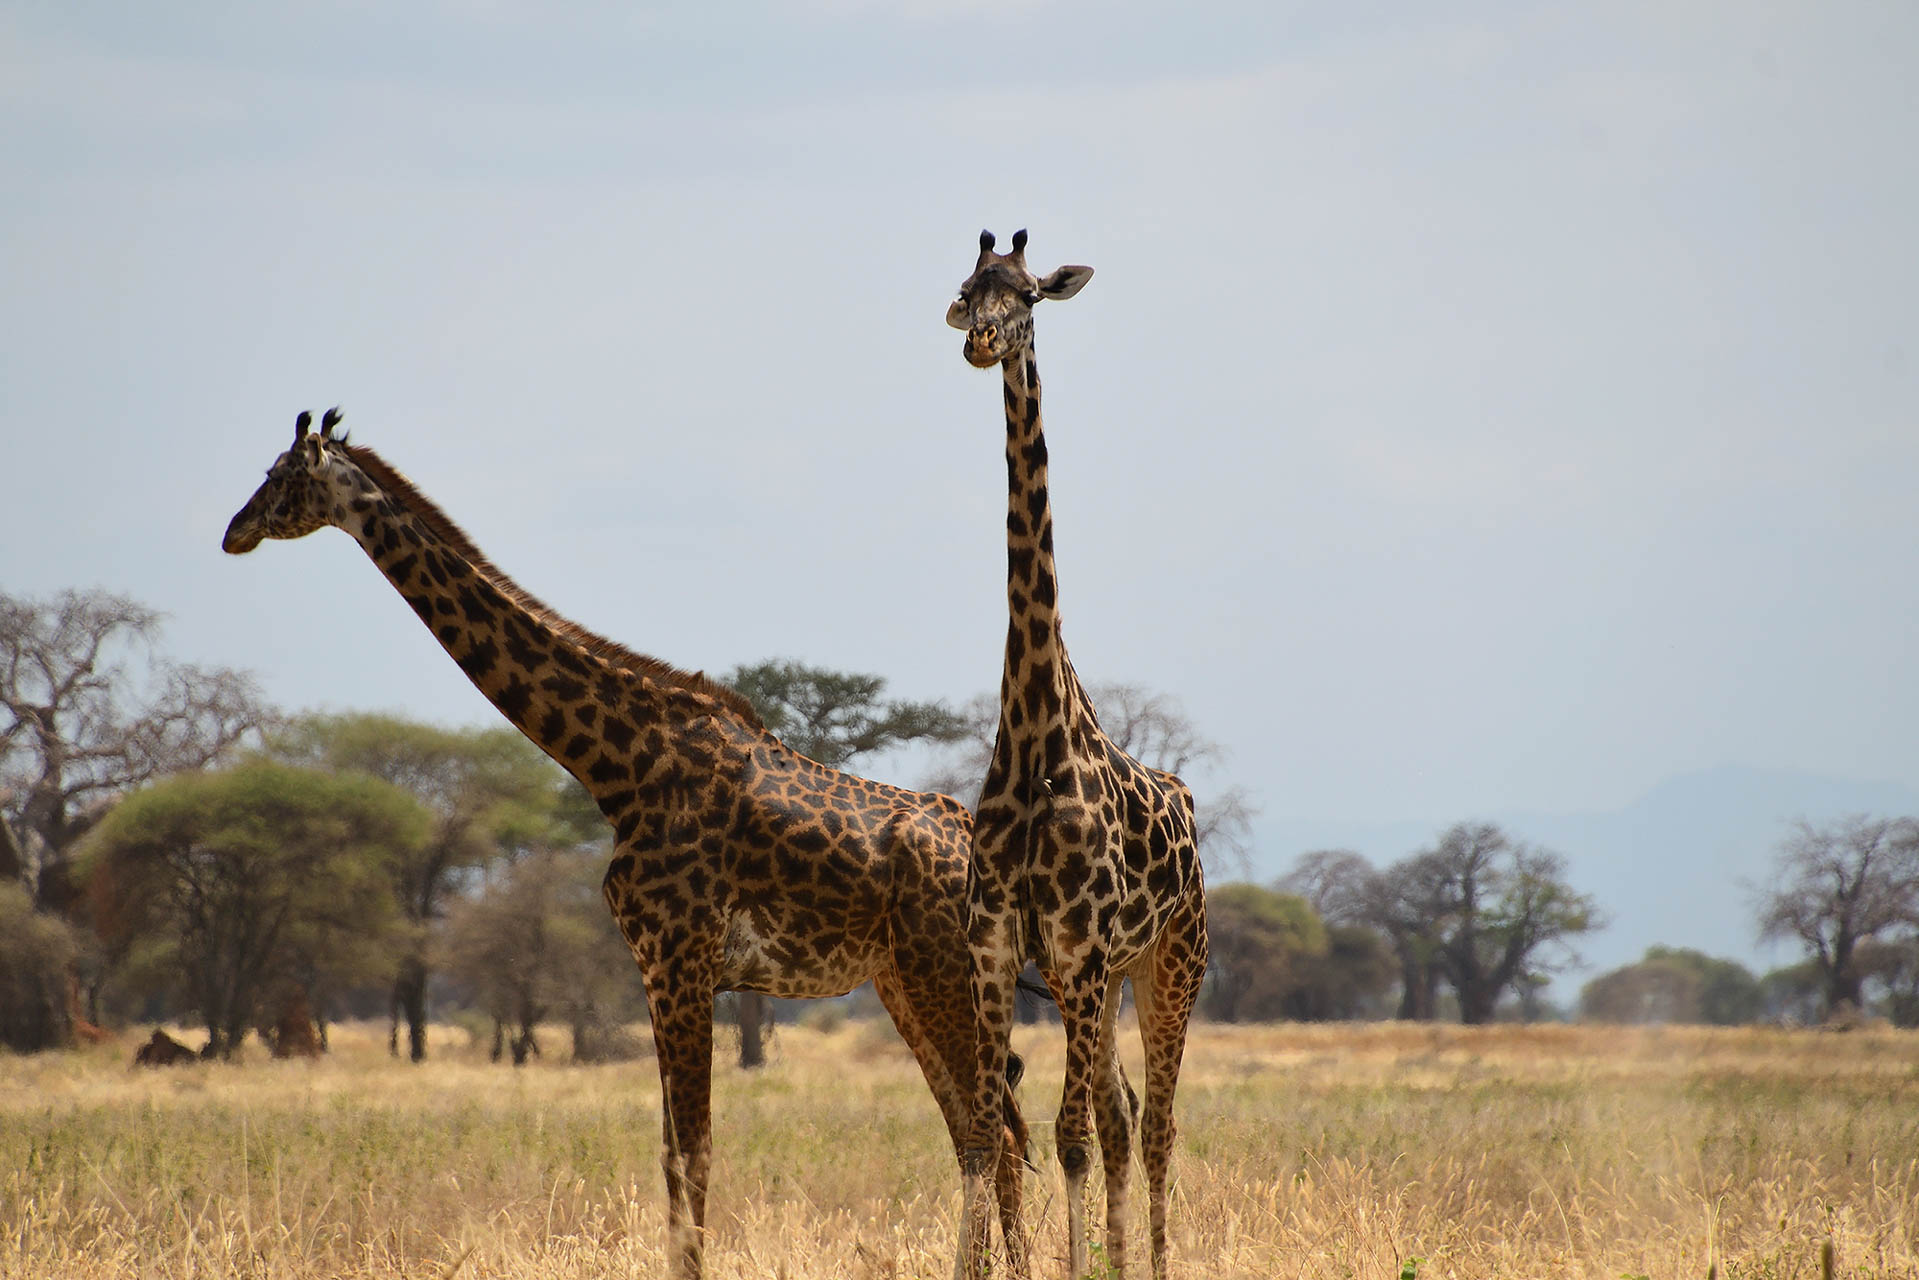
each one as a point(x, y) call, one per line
point(1375, 1151)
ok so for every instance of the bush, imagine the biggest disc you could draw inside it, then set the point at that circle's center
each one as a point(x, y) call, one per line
point(37, 952)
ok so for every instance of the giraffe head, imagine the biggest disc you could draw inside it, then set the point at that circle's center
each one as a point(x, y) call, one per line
point(297, 497)
point(995, 304)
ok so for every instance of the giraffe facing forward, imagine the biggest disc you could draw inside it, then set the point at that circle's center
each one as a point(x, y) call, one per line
point(738, 864)
point(1084, 859)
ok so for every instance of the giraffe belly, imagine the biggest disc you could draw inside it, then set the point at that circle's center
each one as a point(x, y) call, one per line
point(795, 966)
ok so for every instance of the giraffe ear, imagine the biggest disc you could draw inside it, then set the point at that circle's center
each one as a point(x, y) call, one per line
point(956, 314)
point(1064, 283)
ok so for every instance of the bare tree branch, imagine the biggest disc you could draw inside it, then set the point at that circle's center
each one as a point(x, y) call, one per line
point(1841, 887)
point(89, 712)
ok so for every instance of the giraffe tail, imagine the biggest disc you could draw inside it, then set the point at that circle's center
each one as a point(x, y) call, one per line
point(1015, 1123)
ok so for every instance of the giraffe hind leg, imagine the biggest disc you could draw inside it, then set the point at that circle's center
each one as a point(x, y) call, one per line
point(1164, 991)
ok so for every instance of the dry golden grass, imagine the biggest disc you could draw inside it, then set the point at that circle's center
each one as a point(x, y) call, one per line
point(1306, 1151)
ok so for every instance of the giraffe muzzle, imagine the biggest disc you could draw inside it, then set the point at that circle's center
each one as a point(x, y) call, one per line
point(982, 347)
point(242, 535)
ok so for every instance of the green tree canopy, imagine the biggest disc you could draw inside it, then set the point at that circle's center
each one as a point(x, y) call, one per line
point(1260, 940)
point(1351, 980)
point(37, 951)
point(216, 887)
point(1676, 985)
point(493, 796)
point(835, 716)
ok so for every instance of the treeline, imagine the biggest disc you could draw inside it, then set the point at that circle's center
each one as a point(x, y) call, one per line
point(1451, 931)
point(173, 848)
point(1474, 928)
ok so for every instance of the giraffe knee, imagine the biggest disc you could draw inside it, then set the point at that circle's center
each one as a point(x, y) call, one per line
point(1075, 1160)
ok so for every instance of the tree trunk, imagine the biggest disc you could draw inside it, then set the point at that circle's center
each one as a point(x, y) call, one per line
point(1419, 988)
point(752, 1024)
point(1476, 1002)
point(1844, 986)
point(409, 998)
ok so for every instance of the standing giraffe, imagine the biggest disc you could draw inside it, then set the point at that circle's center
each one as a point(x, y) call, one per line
point(738, 863)
point(1084, 860)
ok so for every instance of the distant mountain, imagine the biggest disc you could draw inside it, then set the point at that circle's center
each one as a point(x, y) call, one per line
point(1680, 866)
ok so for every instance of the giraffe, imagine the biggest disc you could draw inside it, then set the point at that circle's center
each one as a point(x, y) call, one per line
point(738, 864)
point(1084, 860)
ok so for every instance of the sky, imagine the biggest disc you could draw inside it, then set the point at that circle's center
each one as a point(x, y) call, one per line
point(1476, 408)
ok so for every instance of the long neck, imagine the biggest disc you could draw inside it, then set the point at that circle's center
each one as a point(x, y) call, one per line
point(1038, 679)
point(593, 717)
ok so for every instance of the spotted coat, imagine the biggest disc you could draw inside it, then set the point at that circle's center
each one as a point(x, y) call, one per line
point(1084, 860)
point(738, 864)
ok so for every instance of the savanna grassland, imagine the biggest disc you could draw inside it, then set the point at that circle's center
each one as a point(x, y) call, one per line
point(1344, 1151)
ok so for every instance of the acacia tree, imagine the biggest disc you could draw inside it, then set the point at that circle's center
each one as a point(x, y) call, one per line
point(492, 794)
point(217, 887)
point(832, 717)
point(1361, 960)
point(835, 716)
point(1840, 887)
point(1259, 941)
point(1673, 984)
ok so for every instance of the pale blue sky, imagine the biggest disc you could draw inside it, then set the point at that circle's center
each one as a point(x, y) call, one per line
point(1499, 409)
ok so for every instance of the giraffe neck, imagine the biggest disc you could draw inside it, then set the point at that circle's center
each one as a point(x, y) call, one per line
point(1039, 682)
point(600, 719)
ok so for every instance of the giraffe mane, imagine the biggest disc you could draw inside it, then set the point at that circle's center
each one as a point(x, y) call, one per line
point(428, 513)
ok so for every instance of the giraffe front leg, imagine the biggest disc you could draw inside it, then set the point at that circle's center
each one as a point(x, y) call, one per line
point(1081, 998)
point(1115, 1110)
point(994, 971)
point(683, 1039)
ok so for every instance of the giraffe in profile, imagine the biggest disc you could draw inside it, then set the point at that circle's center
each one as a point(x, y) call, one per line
point(1084, 860)
point(738, 864)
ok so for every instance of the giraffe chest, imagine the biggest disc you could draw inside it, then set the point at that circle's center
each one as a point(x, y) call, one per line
point(1090, 862)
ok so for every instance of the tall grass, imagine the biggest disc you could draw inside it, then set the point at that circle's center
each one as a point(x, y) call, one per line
point(1305, 1151)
